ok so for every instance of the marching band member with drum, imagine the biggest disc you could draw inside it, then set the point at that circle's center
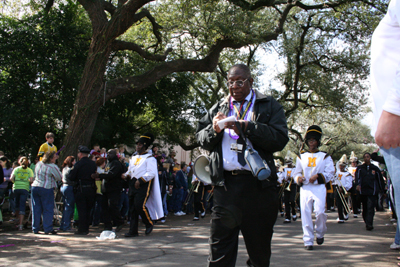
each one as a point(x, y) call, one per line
point(341, 185)
point(144, 189)
point(242, 203)
point(289, 194)
point(314, 169)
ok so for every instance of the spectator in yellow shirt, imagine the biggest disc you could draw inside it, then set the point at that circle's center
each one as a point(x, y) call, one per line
point(48, 146)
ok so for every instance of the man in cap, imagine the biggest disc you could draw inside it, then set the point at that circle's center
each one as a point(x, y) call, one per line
point(85, 188)
point(318, 170)
point(111, 189)
point(144, 190)
point(242, 203)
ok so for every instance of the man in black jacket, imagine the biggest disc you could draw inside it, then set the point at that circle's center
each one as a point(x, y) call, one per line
point(111, 188)
point(241, 201)
point(85, 189)
point(369, 183)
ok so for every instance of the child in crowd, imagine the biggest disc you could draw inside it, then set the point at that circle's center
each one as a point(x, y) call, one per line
point(48, 146)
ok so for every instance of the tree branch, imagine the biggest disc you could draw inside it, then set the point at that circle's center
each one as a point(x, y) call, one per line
point(118, 45)
point(49, 5)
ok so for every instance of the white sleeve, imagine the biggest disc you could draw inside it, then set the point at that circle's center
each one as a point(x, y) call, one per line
point(329, 169)
point(348, 183)
point(392, 103)
point(298, 171)
point(151, 169)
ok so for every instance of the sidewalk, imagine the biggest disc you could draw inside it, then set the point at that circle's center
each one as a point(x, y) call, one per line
point(183, 242)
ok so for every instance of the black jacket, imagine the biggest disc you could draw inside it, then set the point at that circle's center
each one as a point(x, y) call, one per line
point(112, 180)
point(370, 179)
point(82, 171)
point(267, 131)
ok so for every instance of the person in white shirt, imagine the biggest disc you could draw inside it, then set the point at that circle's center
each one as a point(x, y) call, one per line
point(144, 197)
point(314, 169)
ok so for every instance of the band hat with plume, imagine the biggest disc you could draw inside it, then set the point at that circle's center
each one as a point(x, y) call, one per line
point(288, 158)
point(343, 160)
point(353, 157)
point(147, 139)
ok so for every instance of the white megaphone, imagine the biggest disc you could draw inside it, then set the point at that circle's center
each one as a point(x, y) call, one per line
point(201, 169)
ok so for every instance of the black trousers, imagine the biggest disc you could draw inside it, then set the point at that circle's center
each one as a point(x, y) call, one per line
point(110, 210)
point(339, 204)
point(198, 200)
point(368, 208)
point(242, 205)
point(137, 206)
point(289, 198)
point(84, 199)
point(355, 199)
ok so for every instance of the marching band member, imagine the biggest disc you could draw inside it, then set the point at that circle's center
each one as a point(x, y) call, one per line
point(318, 170)
point(343, 179)
point(144, 197)
point(198, 191)
point(290, 191)
point(280, 184)
point(355, 196)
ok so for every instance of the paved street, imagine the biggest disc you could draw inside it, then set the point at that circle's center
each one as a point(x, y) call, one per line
point(182, 242)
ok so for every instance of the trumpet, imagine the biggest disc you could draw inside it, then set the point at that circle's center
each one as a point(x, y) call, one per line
point(290, 183)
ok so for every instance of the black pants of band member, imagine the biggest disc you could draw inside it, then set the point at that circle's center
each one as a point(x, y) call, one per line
point(368, 208)
point(198, 201)
point(247, 207)
point(289, 198)
point(339, 204)
point(84, 200)
point(137, 206)
point(110, 210)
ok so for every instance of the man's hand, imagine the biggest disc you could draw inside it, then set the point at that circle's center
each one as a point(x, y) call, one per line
point(313, 178)
point(217, 118)
point(232, 125)
point(388, 131)
point(301, 179)
point(95, 175)
point(137, 184)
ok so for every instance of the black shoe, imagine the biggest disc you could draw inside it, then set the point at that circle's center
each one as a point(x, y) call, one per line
point(320, 241)
point(309, 247)
point(119, 228)
point(129, 234)
point(81, 233)
point(149, 229)
point(249, 264)
point(53, 232)
point(35, 232)
point(287, 221)
point(369, 227)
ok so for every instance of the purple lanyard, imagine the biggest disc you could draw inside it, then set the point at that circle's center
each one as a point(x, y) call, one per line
point(231, 132)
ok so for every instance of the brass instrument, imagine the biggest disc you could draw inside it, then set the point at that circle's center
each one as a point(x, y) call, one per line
point(290, 183)
point(210, 194)
point(283, 186)
point(342, 196)
point(196, 190)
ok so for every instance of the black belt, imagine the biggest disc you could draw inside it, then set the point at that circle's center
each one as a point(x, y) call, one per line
point(237, 172)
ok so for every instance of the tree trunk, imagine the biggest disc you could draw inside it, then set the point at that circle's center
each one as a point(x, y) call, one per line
point(88, 100)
